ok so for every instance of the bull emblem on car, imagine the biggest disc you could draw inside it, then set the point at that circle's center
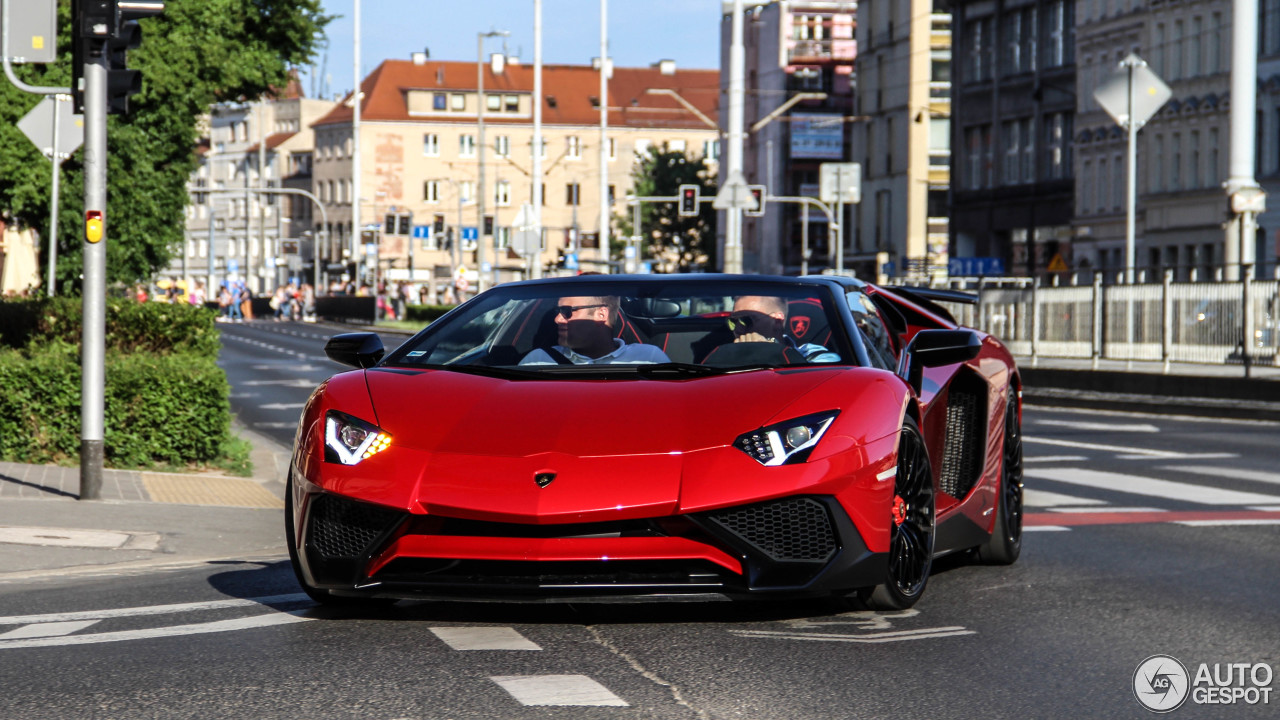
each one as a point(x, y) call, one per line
point(544, 478)
point(799, 326)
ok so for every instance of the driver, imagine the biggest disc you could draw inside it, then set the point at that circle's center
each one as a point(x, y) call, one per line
point(762, 318)
point(587, 336)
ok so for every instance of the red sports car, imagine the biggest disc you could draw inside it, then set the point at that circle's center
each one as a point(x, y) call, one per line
point(677, 435)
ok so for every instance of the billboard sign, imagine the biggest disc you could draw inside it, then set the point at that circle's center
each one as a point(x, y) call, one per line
point(817, 137)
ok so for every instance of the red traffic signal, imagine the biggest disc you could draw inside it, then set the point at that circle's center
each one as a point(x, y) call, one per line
point(758, 194)
point(689, 200)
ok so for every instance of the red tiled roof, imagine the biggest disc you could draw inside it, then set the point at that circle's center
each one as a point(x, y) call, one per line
point(274, 141)
point(572, 86)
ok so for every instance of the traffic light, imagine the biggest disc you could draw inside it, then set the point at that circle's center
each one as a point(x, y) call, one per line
point(108, 29)
point(389, 224)
point(758, 195)
point(488, 224)
point(688, 200)
point(438, 227)
point(405, 226)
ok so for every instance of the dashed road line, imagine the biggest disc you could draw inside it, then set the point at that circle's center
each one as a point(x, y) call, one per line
point(558, 690)
point(40, 630)
point(484, 638)
point(1151, 487)
point(868, 638)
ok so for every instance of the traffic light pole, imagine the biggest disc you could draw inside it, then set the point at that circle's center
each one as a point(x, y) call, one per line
point(93, 345)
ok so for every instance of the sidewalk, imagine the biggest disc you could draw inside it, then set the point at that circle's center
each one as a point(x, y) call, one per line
point(144, 521)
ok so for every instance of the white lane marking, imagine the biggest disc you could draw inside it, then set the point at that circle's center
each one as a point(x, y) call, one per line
point(1054, 458)
point(1101, 427)
point(54, 629)
point(1108, 509)
point(1228, 473)
point(1151, 487)
point(275, 425)
point(557, 690)
point(282, 406)
point(1265, 508)
point(151, 609)
point(1186, 456)
point(248, 623)
point(873, 638)
point(1246, 521)
point(1127, 452)
point(298, 383)
point(484, 638)
point(1046, 499)
point(1045, 528)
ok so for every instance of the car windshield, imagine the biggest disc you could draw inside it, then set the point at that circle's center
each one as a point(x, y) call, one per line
point(677, 328)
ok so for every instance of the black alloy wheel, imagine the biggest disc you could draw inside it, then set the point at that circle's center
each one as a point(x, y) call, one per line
point(911, 544)
point(1005, 543)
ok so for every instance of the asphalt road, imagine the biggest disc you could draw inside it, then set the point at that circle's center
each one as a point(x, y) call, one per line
point(1147, 535)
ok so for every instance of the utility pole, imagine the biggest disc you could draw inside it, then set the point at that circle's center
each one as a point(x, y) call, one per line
point(483, 282)
point(1247, 198)
point(604, 238)
point(737, 91)
point(536, 270)
point(357, 227)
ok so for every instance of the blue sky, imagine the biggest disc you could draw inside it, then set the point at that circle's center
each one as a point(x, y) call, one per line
point(641, 32)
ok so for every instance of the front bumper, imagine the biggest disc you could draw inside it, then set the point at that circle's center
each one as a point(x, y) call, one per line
point(801, 545)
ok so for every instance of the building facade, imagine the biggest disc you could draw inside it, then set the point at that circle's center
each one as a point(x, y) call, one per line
point(420, 160)
point(903, 137)
point(796, 53)
point(1013, 120)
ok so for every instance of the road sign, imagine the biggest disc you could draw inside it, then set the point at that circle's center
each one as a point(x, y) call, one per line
point(37, 125)
point(526, 239)
point(734, 193)
point(422, 232)
point(975, 266)
point(33, 31)
point(840, 182)
point(1057, 264)
point(289, 247)
point(1150, 92)
point(571, 261)
point(470, 232)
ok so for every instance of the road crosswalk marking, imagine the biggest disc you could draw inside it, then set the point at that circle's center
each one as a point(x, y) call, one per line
point(1126, 451)
point(484, 638)
point(1151, 487)
point(151, 609)
point(1046, 499)
point(245, 623)
point(53, 629)
point(1101, 427)
point(1227, 473)
point(558, 690)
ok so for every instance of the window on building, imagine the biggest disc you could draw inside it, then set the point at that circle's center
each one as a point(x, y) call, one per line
point(502, 145)
point(1196, 46)
point(502, 237)
point(439, 101)
point(1010, 131)
point(642, 149)
point(572, 192)
point(1102, 188)
point(1086, 177)
point(431, 145)
point(1157, 169)
point(1175, 164)
point(511, 103)
point(1055, 146)
point(613, 149)
point(973, 158)
point(1211, 171)
point(467, 190)
point(467, 145)
point(1193, 175)
point(457, 102)
point(988, 157)
point(676, 146)
point(1213, 56)
point(431, 191)
point(1011, 59)
point(502, 193)
point(573, 147)
point(1119, 189)
point(939, 141)
point(1028, 151)
point(492, 103)
point(1058, 19)
point(1160, 52)
point(1175, 58)
point(981, 48)
point(710, 149)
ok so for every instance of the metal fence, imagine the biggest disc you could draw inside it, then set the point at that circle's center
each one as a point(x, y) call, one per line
point(1168, 321)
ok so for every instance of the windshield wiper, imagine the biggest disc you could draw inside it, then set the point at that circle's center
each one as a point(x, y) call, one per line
point(678, 369)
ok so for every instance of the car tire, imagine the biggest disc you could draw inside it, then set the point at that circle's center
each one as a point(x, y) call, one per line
point(912, 539)
point(324, 597)
point(1005, 543)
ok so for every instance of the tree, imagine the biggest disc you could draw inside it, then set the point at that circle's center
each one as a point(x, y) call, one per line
point(194, 55)
point(674, 243)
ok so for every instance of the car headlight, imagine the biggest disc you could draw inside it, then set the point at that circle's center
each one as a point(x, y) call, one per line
point(786, 442)
point(348, 440)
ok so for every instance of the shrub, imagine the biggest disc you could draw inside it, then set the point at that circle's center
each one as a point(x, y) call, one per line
point(131, 327)
point(159, 409)
point(425, 313)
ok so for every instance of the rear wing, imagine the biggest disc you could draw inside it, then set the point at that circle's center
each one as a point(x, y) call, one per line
point(929, 298)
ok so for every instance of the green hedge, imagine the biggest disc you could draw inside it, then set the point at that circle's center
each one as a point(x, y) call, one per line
point(425, 313)
point(152, 328)
point(159, 409)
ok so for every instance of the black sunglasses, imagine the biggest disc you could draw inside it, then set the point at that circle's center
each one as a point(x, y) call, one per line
point(567, 311)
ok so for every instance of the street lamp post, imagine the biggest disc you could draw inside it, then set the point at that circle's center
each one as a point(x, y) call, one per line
point(480, 107)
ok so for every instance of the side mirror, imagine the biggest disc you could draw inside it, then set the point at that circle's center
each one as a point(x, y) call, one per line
point(935, 348)
point(358, 349)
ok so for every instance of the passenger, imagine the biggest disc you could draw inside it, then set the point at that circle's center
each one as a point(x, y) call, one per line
point(587, 332)
point(763, 318)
